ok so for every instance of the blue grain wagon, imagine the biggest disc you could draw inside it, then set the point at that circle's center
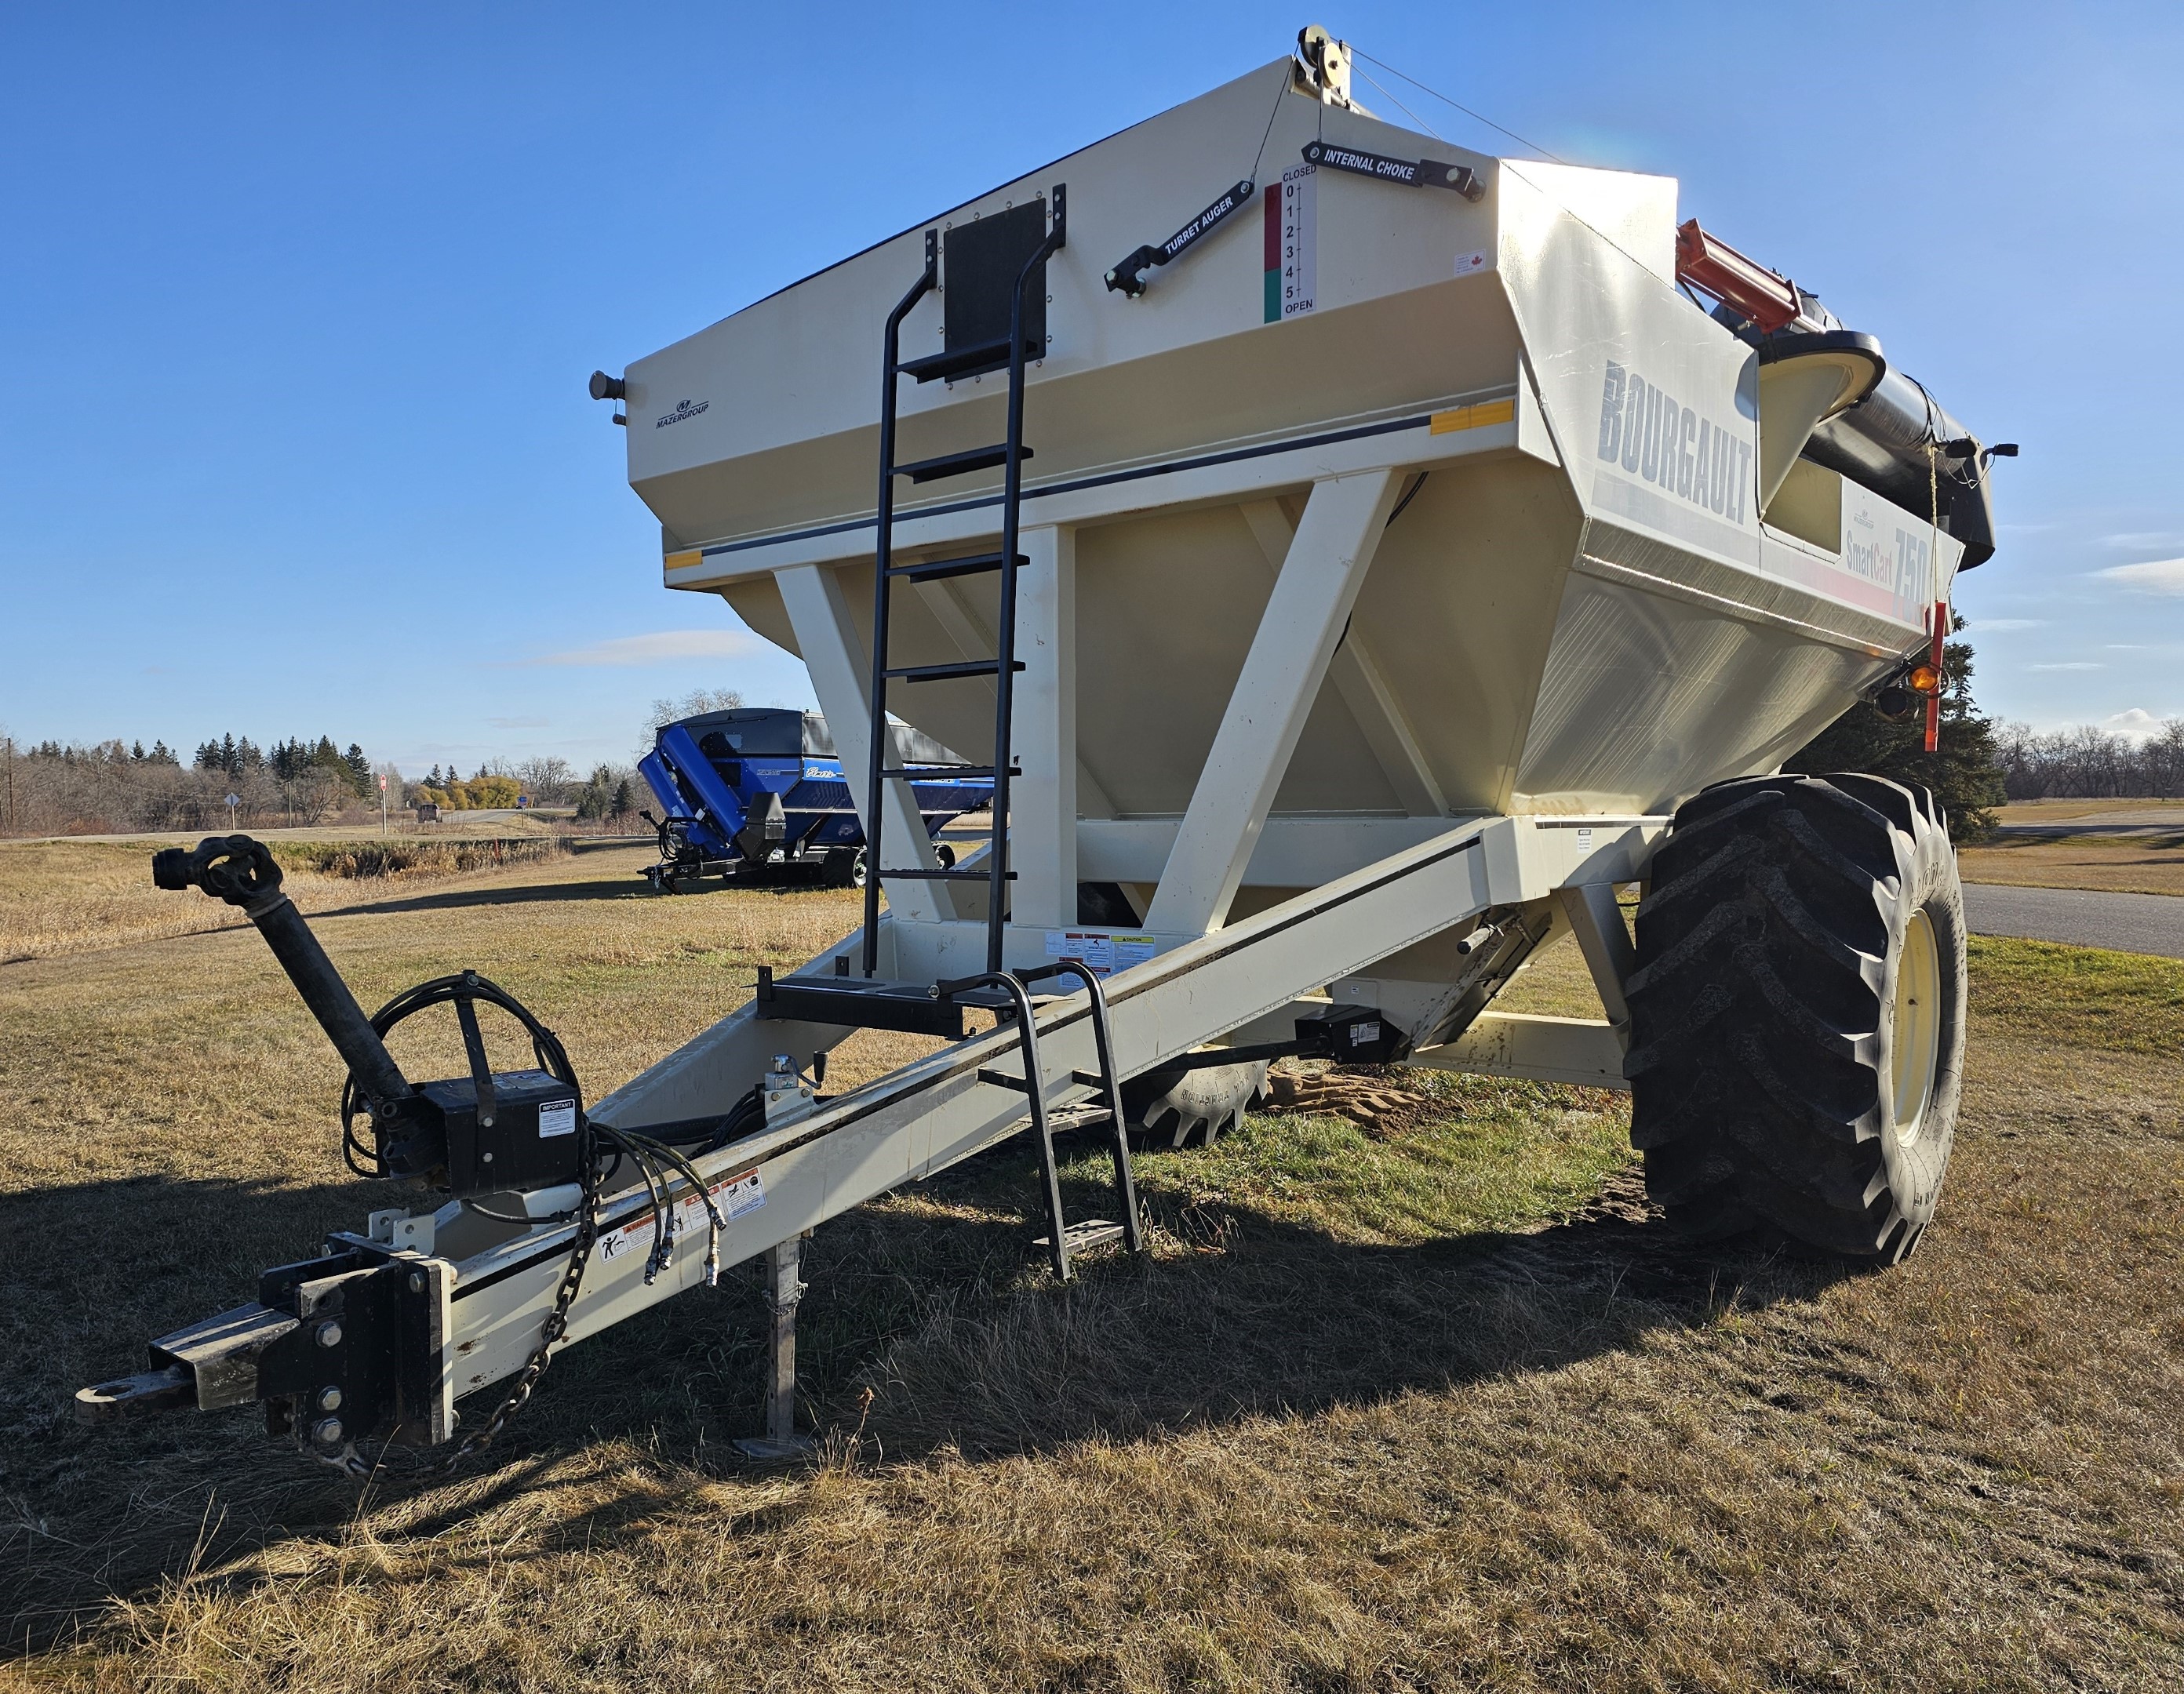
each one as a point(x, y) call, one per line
point(757, 792)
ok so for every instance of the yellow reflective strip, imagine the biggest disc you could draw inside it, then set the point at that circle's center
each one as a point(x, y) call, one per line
point(675, 561)
point(1472, 417)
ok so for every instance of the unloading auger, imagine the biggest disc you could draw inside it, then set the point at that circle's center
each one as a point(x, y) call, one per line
point(1356, 588)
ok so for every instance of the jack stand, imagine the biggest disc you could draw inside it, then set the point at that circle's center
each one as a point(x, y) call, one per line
point(783, 1289)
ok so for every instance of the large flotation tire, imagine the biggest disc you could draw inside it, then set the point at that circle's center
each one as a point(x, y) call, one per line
point(1797, 1013)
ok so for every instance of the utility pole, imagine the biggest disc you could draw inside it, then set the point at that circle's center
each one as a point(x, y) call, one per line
point(382, 805)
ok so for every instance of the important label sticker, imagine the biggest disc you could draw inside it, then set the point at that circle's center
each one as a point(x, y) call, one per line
point(557, 1118)
point(1469, 263)
point(1292, 272)
point(1101, 950)
point(736, 1196)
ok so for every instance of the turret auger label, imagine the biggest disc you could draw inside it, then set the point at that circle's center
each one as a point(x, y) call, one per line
point(1647, 432)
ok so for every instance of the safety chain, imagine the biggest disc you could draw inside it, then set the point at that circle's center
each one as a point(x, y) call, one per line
point(555, 1326)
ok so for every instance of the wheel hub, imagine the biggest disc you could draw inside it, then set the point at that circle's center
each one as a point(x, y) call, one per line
point(1918, 1038)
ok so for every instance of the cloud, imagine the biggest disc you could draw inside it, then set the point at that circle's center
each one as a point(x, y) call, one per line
point(2078, 664)
point(2154, 576)
point(664, 646)
point(2141, 538)
point(1995, 625)
point(2137, 722)
point(517, 723)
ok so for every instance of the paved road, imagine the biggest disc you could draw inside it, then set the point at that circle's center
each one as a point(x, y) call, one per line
point(2124, 923)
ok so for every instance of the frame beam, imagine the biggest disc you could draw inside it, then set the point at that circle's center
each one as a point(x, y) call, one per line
point(1356, 676)
point(1042, 823)
point(1320, 576)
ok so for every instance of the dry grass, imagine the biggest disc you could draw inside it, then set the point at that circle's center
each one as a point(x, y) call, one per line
point(2148, 864)
point(1437, 1410)
point(62, 896)
point(2022, 811)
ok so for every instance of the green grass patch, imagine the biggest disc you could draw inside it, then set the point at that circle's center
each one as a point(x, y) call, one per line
point(2122, 1001)
point(1483, 1154)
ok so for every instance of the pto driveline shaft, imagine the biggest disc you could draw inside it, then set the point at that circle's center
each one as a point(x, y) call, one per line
point(240, 870)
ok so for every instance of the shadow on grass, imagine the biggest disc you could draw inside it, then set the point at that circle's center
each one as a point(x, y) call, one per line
point(935, 1304)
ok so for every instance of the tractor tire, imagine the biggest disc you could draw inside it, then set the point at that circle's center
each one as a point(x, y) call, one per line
point(1174, 1108)
point(1797, 1013)
point(844, 868)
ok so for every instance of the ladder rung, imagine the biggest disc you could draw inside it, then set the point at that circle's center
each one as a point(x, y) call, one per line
point(943, 673)
point(935, 569)
point(1089, 1079)
point(945, 772)
point(923, 875)
point(1002, 1079)
point(971, 361)
point(960, 464)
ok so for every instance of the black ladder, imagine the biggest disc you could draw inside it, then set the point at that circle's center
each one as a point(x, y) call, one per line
point(1064, 1240)
point(996, 319)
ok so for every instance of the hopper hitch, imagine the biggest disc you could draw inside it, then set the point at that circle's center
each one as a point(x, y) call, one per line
point(341, 1347)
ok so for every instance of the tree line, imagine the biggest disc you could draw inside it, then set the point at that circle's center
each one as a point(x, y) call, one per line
point(55, 788)
point(2089, 762)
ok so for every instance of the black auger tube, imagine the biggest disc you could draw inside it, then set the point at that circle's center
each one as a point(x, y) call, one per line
point(240, 870)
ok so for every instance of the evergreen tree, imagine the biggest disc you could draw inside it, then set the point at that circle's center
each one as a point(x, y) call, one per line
point(231, 761)
point(359, 769)
point(1964, 773)
point(624, 802)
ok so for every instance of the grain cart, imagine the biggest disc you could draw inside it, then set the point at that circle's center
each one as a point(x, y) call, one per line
point(1361, 556)
point(755, 791)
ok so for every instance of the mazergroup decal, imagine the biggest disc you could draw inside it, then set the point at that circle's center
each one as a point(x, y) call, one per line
point(1652, 434)
point(683, 409)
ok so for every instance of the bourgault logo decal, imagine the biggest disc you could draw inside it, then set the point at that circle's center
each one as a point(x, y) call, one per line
point(1651, 435)
point(683, 409)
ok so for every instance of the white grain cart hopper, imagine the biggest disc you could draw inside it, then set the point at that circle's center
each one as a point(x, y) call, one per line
point(1356, 587)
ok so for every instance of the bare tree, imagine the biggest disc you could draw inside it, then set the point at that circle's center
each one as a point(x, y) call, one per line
point(690, 705)
point(546, 779)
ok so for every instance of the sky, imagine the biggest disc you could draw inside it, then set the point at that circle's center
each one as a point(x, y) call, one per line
point(299, 304)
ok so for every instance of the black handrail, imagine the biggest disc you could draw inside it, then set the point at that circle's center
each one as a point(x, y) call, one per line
point(882, 583)
point(1057, 237)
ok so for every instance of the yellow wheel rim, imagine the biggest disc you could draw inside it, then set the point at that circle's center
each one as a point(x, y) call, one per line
point(1917, 1043)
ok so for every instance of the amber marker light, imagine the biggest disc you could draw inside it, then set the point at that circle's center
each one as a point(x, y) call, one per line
point(1923, 679)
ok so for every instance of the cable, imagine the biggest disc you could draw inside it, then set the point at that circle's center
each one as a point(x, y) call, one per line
point(1411, 495)
point(1273, 112)
point(1406, 110)
point(1466, 111)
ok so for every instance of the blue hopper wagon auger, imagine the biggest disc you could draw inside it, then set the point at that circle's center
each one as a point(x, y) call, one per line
point(761, 793)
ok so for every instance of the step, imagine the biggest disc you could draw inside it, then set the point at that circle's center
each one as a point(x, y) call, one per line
point(960, 464)
point(947, 875)
point(934, 570)
point(945, 672)
point(944, 773)
point(865, 1002)
point(971, 361)
point(1083, 1237)
point(1065, 1119)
